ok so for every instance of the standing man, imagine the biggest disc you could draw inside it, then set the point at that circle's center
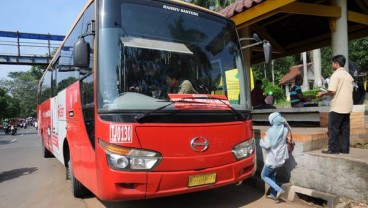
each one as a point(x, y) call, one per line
point(341, 90)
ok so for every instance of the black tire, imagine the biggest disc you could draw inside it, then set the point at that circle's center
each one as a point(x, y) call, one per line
point(45, 152)
point(78, 189)
point(67, 171)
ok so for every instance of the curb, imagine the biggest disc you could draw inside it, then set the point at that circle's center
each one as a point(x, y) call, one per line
point(294, 193)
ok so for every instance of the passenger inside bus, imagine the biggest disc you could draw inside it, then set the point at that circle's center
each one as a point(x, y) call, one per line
point(178, 85)
point(136, 81)
point(145, 78)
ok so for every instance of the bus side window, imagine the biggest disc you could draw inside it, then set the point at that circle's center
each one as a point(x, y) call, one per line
point(45, 92)
point(65, 77)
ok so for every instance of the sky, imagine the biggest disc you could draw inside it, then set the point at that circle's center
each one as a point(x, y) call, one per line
point(37, 16)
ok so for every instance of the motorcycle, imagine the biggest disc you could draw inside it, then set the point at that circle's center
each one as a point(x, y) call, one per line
point(13, 129)
point(10, 127)
point(6, 129)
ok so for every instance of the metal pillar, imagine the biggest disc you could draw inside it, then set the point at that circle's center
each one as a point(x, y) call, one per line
point(49, 44)
point(340, 33)
point(18, 46)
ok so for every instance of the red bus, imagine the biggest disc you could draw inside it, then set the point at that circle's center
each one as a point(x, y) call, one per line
point(114, 105)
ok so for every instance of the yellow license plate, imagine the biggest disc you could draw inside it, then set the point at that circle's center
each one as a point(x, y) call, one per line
point(202, 179)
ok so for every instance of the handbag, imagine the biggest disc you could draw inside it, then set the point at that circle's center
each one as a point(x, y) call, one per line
point(289, 141)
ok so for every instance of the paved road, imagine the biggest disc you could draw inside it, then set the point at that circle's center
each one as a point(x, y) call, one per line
point(28, 180)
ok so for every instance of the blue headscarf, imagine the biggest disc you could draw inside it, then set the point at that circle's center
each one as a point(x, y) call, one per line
point(275, 133)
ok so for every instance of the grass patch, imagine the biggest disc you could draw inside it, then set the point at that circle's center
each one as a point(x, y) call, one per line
point(282, 104)
point(361, 146)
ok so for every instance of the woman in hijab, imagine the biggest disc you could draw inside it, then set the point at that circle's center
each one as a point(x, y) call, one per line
point(275, 146)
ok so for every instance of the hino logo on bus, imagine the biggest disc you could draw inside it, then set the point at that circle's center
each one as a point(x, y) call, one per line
point(199, 144)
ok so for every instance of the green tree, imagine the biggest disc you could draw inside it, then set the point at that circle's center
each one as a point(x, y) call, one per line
point(37, 71)
point(215, 5)
point(8, 105)
point(270, 88)
point(3, 103)
point(22, 87)
point(326, 62)
point(202, 3)
point(358, 53)
point(280, 66)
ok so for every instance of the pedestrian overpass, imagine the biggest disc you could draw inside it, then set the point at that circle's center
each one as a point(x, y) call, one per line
point(19, 48)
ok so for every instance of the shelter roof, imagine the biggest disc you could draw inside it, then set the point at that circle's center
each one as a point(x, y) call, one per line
point(238, 7)
point(295, 26)
point(293, 72)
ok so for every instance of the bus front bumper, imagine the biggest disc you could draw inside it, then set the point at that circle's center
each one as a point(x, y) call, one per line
point(123, 186)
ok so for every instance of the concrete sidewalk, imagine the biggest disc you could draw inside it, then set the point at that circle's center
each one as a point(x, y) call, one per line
point(356, 154)
point(329, 177)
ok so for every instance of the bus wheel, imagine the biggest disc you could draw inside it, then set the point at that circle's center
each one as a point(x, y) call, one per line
point(78, 189)
point(67, 174)
point(67, 171)
point(45, 152)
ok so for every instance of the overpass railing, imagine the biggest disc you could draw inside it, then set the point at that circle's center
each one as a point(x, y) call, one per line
point(27, 48)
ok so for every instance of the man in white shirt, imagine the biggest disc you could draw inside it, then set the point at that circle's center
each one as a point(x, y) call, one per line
point(341, 90)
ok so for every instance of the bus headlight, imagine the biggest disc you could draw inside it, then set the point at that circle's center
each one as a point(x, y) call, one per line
point(244, 149)
point(126, 158)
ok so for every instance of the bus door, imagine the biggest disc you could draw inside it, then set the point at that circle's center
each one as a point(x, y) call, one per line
point(59, 124)
point(73, 128)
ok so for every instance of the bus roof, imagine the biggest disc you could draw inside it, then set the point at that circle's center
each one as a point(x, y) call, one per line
point(90, 2)
point(199, 7)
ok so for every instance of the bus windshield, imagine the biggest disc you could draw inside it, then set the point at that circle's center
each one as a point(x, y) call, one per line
point(151, 54)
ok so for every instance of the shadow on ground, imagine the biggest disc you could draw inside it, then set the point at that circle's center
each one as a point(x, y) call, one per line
point(11, 174)
point(7, 141)
point(230, 196)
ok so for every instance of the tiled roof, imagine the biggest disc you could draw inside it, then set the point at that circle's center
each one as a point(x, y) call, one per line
point(238, 7)
point(293, 72)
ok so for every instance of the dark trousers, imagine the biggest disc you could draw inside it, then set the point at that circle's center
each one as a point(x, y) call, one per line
point(339, 132)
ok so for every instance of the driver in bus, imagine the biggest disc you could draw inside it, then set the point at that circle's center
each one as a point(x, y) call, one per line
point(176, 85)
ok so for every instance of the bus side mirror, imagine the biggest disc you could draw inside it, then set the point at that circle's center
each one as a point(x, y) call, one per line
point(267, 50)
point(81, 53)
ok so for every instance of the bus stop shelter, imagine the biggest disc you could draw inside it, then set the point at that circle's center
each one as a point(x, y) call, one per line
point(295, 26)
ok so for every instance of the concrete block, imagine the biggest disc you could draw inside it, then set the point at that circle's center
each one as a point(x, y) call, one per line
point(357, 119)
point(331, 199)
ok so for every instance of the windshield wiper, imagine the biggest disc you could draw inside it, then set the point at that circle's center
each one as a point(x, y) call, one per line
point(144, 115)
